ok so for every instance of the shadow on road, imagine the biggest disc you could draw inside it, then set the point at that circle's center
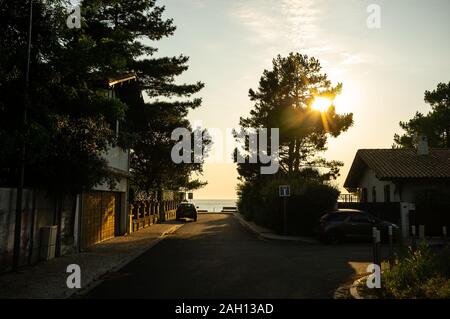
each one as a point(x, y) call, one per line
point(217, 257)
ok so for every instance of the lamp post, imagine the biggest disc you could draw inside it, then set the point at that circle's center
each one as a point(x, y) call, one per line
point(20, 184)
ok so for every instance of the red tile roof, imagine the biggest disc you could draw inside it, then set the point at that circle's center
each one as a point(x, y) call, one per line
point(389, 164)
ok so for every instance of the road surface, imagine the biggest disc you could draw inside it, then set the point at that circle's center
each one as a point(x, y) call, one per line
point(216, 257)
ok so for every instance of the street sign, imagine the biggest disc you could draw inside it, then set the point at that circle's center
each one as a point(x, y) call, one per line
point(190, 195)
point(284, 190)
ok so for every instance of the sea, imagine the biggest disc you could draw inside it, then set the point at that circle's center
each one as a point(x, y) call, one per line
point(214, 205)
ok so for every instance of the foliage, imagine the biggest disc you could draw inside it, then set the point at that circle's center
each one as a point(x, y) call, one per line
point(435, 125)
point(421, 273)
point(284, 100)
point(71, 122)
point(309, 199)
point(125, 28)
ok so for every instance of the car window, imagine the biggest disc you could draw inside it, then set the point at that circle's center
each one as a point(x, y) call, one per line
point(360, 218)
point(337, 217)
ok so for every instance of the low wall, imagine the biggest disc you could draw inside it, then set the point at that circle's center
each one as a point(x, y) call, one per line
point(39, 210)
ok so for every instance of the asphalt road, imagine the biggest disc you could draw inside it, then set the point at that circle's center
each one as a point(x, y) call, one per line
point(216, 257)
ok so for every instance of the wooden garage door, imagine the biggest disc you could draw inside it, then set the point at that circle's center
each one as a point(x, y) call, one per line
point(99, 217)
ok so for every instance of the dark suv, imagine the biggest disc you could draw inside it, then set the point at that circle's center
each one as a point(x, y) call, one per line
point(186, 210)
point(341, 224)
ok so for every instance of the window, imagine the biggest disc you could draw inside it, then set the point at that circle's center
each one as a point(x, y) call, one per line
point(374, 194)
point(360, 218)
point(336, 217)
point(387, 193)
point(364, 195)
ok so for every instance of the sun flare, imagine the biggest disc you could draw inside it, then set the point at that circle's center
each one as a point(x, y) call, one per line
point(321, 104)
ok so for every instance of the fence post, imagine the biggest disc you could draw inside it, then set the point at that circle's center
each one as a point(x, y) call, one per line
point(375, 245)
point(421, 232)
point(444, 233)
point(413, 233)
point(152, 211)
point(379, 248)
point(130, 217)
point(391, 246)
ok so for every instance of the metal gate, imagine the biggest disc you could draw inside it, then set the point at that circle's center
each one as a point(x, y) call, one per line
point(99, 217)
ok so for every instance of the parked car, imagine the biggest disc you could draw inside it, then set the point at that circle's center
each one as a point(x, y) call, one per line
point(337, 225)
point(186, 210)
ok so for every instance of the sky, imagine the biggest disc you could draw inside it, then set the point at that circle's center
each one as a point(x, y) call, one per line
point(385, 71)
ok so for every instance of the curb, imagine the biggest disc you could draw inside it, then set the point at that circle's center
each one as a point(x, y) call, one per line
point(99, 279)
point(272, 236)
point(354, 292)
point(354, 288)
point(217, 213)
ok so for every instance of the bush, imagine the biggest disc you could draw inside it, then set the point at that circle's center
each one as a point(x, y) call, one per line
point(418, 274)
point(309, 199)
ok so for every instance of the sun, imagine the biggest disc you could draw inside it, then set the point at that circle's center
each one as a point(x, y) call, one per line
point(321, 104)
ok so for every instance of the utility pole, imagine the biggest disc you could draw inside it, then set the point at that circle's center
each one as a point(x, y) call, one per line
point(20, 184)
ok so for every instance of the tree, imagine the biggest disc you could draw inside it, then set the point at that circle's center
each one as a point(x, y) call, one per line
point(284, 100)
point(69, 121)
point(435, 124)
point(72, 122)
point(127, 29)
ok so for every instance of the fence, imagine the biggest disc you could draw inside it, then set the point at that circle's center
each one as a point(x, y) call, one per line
point(146, 213)
point(348, 198)
point(386, 211)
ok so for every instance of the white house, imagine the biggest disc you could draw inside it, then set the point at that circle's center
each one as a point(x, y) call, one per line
point(396, 175)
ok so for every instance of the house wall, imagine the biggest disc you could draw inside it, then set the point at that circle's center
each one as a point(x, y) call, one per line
point(118, 159)
point(369, 180)
point(120, 186)
point(401, 192)
point(410, 189)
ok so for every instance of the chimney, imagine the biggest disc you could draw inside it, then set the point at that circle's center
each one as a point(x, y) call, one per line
point(422, 145)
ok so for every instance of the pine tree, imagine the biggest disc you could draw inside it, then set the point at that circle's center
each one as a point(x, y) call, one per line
point(71, 120)
point(435, 125)
point(283, 100)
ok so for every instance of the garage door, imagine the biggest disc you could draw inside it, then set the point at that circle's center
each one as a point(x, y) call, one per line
point(98, 221)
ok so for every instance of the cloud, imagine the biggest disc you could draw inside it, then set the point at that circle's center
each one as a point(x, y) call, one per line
point(351, 59)
point(288, 22)
point(283, 26)
point(199, 3)
point(302, 18)
point(260, 19)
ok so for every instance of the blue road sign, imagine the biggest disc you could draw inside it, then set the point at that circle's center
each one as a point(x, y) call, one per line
point(285, 191)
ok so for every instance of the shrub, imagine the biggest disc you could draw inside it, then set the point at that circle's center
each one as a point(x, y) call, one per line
point(418, 274)
point(309, 199)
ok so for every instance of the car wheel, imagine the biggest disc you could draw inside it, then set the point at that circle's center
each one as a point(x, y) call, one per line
point(333, 237)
